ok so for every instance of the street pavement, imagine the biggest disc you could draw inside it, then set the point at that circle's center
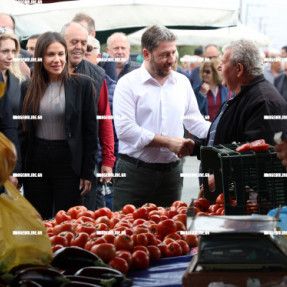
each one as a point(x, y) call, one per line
point(190, 184)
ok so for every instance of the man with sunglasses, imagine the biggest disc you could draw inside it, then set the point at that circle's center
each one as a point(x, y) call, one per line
point(76, 37)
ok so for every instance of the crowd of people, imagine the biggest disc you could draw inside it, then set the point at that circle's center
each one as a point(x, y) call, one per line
point(87, 122)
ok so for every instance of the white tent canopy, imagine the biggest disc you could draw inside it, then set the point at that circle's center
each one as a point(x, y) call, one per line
point(219, 37)
point(115, 14)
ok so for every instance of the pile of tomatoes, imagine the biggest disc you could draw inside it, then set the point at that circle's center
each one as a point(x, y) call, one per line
point(130, 237)
point(202, 206)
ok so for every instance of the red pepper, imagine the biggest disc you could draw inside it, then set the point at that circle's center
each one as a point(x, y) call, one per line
point(244, 147)
point(258, 145)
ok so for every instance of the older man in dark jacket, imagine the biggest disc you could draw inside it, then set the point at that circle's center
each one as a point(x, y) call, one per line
point(256, 111)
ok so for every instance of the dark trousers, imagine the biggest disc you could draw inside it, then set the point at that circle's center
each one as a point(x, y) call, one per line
point(143, 185)
point(58, 188)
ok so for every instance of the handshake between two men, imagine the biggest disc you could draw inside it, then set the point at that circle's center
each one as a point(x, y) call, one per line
point(182, 147)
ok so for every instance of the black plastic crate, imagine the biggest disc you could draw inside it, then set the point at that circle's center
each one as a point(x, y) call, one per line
point(256, 180)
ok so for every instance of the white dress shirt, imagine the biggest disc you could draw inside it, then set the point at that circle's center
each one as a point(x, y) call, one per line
point(143, 108)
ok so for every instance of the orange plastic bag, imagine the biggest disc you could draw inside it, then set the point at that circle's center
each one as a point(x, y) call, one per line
point(23, 237)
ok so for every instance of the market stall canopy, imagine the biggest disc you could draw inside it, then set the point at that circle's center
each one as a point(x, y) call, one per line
point(122, 15)
point(219, 37)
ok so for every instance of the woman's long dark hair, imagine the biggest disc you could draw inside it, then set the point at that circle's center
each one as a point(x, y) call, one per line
point(40, 80)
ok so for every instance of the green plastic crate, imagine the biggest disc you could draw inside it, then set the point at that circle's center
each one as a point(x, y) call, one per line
point(256, 180)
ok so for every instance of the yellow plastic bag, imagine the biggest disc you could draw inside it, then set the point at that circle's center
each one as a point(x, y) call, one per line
point(23, 237)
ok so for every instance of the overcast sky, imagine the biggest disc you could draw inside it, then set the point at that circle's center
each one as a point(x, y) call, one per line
point(268, 17)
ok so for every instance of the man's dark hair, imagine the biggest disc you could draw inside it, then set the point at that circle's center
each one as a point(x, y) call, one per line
point(284, 48)
point(35, 36)
point(198, 51)
point(152, 37)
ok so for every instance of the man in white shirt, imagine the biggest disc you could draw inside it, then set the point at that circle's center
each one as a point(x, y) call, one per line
point(151, 105)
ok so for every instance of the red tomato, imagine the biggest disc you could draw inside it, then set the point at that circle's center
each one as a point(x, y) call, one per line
point(103, 219)
point(220, 199)
point(180, 217)
point(182, 210)
point(50, 231)
point(163, 249)
point(56, 247)
point(140, 239)
point(47, 223)
point(64, 226)
point(180, 226)
point(68, 235)
point(56, 239)
point(104, 211)
point(109, 238)
point(80, 239)
point(88, 227)
point(140, 247)
point(178, 204)
point(119, 264)
point(83, 219)
point(125, 255)
point(150, 238)
point(153, 228)
point(165, 227)
point(73, 211)
point(138, 230)
point(219, 210)
point(139, 221)
point(170, 213)
point(204, 203)
point(214, 207)
point(106, 251)
point(184, 246)
point(129, 208)
point(174, 249)
point(154, 252)
point(163, 217)
point(140, 259)
point(155, 218)
point(94, 241)
point(168, 240)
point(141, 213)
point(61, 216)
point(123, 242)
point(101, 227)
point(150, 206)
point(244, 147)
point(87, 213)
point(114, 221)
point(197, 204)
point(173, 235)
point(154, 212)
point(191, 240)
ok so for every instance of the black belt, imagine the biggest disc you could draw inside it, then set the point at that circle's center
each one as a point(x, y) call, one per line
point(153, 166)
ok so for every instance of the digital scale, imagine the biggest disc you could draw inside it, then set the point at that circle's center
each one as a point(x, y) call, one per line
point(237, 250)
point(236, 242)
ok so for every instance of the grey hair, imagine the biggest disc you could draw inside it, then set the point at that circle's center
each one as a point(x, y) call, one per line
point(152, 37)
point(65, 27)
point(116, 34)
point(246, 53)
point(96, 42)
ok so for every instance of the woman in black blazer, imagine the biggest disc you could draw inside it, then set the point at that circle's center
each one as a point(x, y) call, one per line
point(59, 141)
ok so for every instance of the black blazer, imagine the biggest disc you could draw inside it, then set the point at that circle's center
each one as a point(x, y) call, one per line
point(80, 126)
